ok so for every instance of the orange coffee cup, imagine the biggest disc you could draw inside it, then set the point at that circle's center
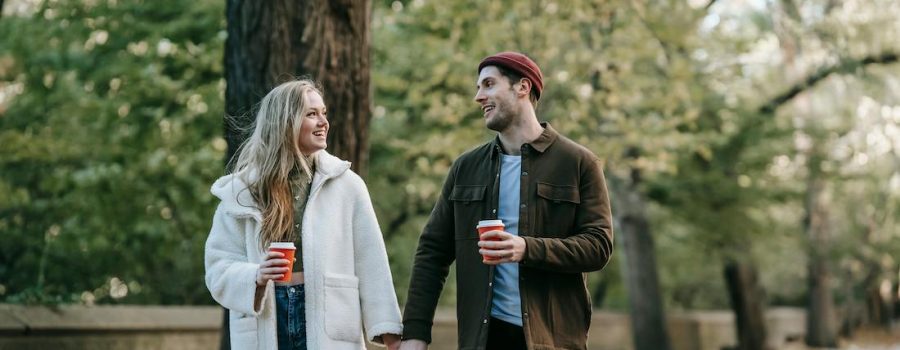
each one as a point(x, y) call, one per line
point(289, 250)
point(489, 225)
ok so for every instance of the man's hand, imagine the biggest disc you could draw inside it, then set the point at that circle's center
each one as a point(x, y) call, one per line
point(503, 246)
point(413, 344)
point(392, 341)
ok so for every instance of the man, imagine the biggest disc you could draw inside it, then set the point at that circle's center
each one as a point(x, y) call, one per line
point(526, 289)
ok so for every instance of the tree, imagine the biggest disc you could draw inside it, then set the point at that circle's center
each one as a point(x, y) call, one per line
point(272, 41)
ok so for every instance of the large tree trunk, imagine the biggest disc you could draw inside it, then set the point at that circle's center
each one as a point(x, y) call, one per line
point(747, 301)
point(821, 324)
point(270, 42)
point(821, 319)
point(648, 320)
point(273, 41)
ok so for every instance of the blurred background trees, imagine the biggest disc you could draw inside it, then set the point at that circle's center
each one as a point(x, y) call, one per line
point(761, 135)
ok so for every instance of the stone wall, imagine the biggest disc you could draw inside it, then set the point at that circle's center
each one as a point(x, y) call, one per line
point(197, 328)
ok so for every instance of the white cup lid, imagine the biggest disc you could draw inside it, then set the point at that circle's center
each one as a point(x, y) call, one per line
point(488, 223)
point(282, 245)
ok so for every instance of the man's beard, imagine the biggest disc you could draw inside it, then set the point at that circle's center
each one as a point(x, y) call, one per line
point(503, 117)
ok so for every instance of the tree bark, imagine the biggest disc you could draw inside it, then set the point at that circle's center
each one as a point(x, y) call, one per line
point(821, 324)
point(270, 42)
point(648, 320)
point(821, 319)
point(274, 41)
point(746, 300)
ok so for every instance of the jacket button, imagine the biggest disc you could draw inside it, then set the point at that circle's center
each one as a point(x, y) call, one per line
point(524, 173)
point(494, 211)
point(523, 205)
point(485, 321)
point(525, 315)
point(490, 284)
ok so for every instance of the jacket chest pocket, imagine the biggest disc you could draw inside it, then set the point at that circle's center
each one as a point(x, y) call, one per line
point(556, 208)
point(468, 205)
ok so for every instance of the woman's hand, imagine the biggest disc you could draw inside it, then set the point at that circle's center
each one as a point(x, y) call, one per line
point(274, 267)
point(392, 341)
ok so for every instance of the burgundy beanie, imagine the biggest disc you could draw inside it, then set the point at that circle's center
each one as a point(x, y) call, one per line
point(518, 63)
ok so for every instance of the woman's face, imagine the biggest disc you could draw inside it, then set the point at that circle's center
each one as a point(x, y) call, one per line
point(313, 124)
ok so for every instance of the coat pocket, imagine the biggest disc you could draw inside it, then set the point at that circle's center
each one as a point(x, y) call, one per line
point(468, 202)
point(467, 193)
point(556, 209)
point(558, 193)
point(343, 318)
point(243, 329)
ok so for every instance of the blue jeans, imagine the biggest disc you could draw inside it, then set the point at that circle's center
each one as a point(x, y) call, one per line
point(290, 317)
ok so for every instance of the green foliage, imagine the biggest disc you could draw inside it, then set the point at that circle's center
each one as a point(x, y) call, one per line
point(110, 139)
point(111, 124)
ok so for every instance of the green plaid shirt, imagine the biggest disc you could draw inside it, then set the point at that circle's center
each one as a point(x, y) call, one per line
point(301, 182)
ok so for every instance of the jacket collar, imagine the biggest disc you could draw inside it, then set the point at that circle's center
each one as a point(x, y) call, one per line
point(544, 140)
point(232, 189)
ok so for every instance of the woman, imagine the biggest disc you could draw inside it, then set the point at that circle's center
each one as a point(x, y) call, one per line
point(286, 188)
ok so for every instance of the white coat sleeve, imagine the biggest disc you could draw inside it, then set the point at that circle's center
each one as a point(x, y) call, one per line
point(230, 277)
point(380, 310)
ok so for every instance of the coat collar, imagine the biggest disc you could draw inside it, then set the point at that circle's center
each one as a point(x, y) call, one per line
point(544, 140)
point(232, 189)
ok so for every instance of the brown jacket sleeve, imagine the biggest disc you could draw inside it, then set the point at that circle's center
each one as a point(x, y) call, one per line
point(589, 248)
point(431, 266)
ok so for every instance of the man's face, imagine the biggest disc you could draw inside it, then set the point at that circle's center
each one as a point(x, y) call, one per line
point(497, 99)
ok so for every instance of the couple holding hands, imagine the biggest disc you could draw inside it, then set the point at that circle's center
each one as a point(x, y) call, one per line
point(519, 286)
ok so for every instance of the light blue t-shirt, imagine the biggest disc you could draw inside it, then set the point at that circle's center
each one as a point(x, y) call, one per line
point(506, 304)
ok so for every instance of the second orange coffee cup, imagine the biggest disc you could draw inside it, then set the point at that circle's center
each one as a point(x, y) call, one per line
point(489, 225)
point(289, 250)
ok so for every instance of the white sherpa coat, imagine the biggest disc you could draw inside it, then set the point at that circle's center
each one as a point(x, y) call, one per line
point(346, 273)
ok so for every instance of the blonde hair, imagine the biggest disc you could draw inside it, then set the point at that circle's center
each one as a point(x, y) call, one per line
point(267, 157)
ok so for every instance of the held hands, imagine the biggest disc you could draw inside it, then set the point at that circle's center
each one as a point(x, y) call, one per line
point(413, 344)
point(502, 246)
point(392, 341)
point(273, 268)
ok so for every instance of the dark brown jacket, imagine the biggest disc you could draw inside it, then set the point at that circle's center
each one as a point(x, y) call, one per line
point(566, 223)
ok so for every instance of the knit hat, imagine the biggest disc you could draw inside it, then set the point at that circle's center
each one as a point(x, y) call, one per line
point(518, 63)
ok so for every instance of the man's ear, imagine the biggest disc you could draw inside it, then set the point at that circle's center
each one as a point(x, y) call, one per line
point(524, 87)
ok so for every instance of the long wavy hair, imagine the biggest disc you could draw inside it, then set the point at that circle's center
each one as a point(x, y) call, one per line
point(267, 157)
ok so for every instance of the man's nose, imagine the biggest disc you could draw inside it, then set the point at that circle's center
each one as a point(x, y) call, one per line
point(479, 96)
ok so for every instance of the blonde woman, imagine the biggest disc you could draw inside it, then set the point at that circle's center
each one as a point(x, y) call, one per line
point(287, 188)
